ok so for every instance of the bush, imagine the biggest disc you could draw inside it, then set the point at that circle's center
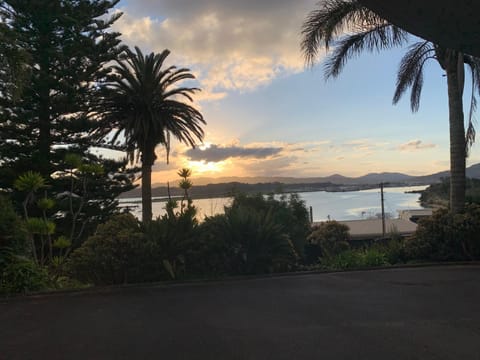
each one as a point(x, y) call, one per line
point(208, 254)
point(355, 259)
point(445, 236)
point(259, 245)
point(289, 213)
point(373, 257)
point(255, 235)
point(393, 249)
point(345, 260)
point(253, 243)
point(13, 233)
point(21, 275)
point(328, 239)
point(113, 255)
point(18, 274)
point(169, 238)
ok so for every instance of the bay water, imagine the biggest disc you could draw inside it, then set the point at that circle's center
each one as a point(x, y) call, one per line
point(348, 205)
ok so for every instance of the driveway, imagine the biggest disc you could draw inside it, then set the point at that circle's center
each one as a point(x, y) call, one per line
point(411, 313)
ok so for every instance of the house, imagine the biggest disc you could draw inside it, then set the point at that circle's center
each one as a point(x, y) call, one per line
point(372, 228)
point(415, 215)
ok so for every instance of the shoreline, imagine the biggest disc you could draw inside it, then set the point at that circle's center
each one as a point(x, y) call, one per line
point(137, 199)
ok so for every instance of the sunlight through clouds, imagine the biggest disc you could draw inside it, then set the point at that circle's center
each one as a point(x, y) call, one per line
point(286, 121)
point(230, 49)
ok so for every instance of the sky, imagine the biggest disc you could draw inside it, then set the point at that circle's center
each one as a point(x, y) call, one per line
point(268, 114)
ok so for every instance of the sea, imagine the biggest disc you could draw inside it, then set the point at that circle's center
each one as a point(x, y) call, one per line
point(348, 205)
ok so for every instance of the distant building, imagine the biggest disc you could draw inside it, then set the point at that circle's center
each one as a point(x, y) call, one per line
point(372, 228)
point(415, 215)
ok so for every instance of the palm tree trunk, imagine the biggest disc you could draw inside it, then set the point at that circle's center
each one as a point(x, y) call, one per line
point(457, 134)
point(146, 190)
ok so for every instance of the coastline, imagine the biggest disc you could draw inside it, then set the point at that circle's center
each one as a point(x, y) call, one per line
point(195, 195)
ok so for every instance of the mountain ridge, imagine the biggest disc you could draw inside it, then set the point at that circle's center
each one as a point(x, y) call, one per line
point(205, 187)
point(473, 171)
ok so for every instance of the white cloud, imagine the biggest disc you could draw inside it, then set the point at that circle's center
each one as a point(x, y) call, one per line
point(415, 145)
point(230, 45)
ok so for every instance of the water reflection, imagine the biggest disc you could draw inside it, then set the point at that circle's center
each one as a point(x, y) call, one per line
point(352, 205)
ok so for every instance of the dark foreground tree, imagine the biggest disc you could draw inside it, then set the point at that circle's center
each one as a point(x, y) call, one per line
point(68, 44)
point(13, 59)
point(352, 29)
point(144, 105)
point(64, 48)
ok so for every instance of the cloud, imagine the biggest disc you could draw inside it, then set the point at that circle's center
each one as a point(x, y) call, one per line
point(230, 45)
point(356, 149)
point(216, 153)
point(279, 166)
point(415, 145)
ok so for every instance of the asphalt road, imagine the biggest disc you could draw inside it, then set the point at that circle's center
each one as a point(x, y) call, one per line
point(416, 313)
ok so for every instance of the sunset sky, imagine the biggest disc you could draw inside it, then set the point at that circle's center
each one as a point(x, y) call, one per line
point(267, 114)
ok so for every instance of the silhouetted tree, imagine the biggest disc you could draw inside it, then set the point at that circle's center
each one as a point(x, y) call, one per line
point(66, 45)
point(352, 28)
point(144, 106)
point(54, 55)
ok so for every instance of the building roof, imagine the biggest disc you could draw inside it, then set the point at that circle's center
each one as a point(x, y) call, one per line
point(372, 228)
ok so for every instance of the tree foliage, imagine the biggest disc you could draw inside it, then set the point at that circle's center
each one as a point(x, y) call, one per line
point(143, 103)
point(111, 255)
point(328, 239)
point(65, 48)
point(447, 236)
point(351, 28)
point(255, 235)
point(68, 45)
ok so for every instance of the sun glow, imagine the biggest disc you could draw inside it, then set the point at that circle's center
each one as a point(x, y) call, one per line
point(205, 145)
point(202, 167)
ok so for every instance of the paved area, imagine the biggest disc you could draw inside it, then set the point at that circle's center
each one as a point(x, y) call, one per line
point(417, 313)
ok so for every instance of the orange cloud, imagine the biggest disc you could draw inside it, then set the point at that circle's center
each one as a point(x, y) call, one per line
point(415, 145)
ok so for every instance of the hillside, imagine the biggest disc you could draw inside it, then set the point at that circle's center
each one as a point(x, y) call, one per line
point(213, 187)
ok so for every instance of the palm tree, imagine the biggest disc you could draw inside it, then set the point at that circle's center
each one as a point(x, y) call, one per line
point(145, 108)
point(185, 184)
point(352, 29)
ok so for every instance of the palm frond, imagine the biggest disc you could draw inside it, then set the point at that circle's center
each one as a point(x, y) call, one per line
point(330, 21)
point(143, 104)
point(410, 73)
point(474, 66)
point(376, 38)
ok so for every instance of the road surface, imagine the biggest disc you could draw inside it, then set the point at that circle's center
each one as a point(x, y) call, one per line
point(411, 313)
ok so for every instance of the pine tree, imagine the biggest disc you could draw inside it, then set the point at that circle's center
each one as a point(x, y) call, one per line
point(68, 45)
point(66, 48)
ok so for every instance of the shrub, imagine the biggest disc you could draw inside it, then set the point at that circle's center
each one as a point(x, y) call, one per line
point(345, 260)
point(394, 250)
point(13, 233)
point(328, 239)
point(168, 239)
point(373, 257)
point(208, 254)
point(289, 213)
point(113, 255)
point(262, 245)
point(21, 275)
point(253, 242)
point(17, 273)
point(355, 259)
point(445, 236)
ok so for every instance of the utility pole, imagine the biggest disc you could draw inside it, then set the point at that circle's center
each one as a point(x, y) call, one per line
point(383, 210)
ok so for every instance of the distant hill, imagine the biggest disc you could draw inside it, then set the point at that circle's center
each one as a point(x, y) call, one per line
point(225, 185)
